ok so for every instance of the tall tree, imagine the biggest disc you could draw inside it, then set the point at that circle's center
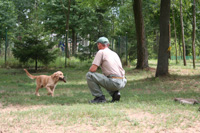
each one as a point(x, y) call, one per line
point(175, 37)
point(194, 33)
point(67, 15)
point(163, 54)
point(142, 54)
point(34, 44)
point(182, 31)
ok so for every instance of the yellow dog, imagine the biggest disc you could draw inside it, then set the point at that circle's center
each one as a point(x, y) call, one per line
point(48, 82)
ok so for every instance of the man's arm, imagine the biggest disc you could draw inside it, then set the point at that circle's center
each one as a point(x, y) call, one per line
point(93, 68)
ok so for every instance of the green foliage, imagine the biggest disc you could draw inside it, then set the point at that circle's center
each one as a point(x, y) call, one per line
point(35, 47)
point(84, 19)
point(110, 18)
point(8, 18)
point(86, 52)
point(125, 26)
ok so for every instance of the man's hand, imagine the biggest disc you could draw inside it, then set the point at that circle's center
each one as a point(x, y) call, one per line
point(93, 68)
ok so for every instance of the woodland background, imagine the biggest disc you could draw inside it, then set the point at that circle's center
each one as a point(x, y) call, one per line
point(34, 31)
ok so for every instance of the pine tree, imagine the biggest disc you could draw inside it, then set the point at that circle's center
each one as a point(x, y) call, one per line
point(33, 46)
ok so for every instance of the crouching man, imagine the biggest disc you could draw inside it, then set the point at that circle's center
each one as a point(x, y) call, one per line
point(113, 77)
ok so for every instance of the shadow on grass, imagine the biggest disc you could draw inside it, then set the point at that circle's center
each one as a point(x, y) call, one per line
point(163, 88)
point(24, 95)
point(148, 90)
point(31, 99)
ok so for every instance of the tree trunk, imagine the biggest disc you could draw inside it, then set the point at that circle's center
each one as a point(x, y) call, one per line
point(194, 33)
point(67, 26)
point(174, 33)
point(67, 14)
point(142, 54)
point(182, 29)
point(163, 54)
point(169, 49)
point(73, 42)
point(179, 44)
point(36, 62)
point(0, 48)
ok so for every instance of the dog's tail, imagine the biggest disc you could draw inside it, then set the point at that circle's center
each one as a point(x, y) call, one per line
point(29, 75)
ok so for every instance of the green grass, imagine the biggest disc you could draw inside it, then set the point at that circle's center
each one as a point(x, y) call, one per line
point(146, 104)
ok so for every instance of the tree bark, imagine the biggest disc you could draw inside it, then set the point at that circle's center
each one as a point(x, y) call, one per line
point(175, 33)
point(142, 54)
point(179, 44)
point(182, 31)
point(0, 48)
point(67, 24)
point(74, 42)
point(163, 54)
point(194, 33)
point(67, 14)
point(36, 66)
point(169, 49)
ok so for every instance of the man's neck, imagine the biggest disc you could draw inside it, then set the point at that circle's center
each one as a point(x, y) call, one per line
point(103, 48)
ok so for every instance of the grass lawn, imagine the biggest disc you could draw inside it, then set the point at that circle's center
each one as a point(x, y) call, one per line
point(146, 105)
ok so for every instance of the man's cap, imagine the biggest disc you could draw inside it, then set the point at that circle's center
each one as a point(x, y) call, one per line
point(103, 40)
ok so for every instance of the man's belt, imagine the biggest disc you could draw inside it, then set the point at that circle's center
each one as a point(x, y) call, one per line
point(117, 77)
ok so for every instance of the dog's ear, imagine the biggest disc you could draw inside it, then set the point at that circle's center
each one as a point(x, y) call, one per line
point(55, 76)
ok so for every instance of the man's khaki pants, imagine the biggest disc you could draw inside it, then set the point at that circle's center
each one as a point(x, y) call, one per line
point(96, 80)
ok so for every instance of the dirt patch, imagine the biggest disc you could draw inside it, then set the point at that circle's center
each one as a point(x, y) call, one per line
point(135, 120)
point(139, 115)
point(12, 108)
point(151, 123)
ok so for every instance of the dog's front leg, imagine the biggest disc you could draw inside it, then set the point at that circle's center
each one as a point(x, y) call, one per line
point(52, 89)
point(49, 91)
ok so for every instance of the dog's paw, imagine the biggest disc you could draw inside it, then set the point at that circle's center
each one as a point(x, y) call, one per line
point(50, 94)
point(37, 94)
